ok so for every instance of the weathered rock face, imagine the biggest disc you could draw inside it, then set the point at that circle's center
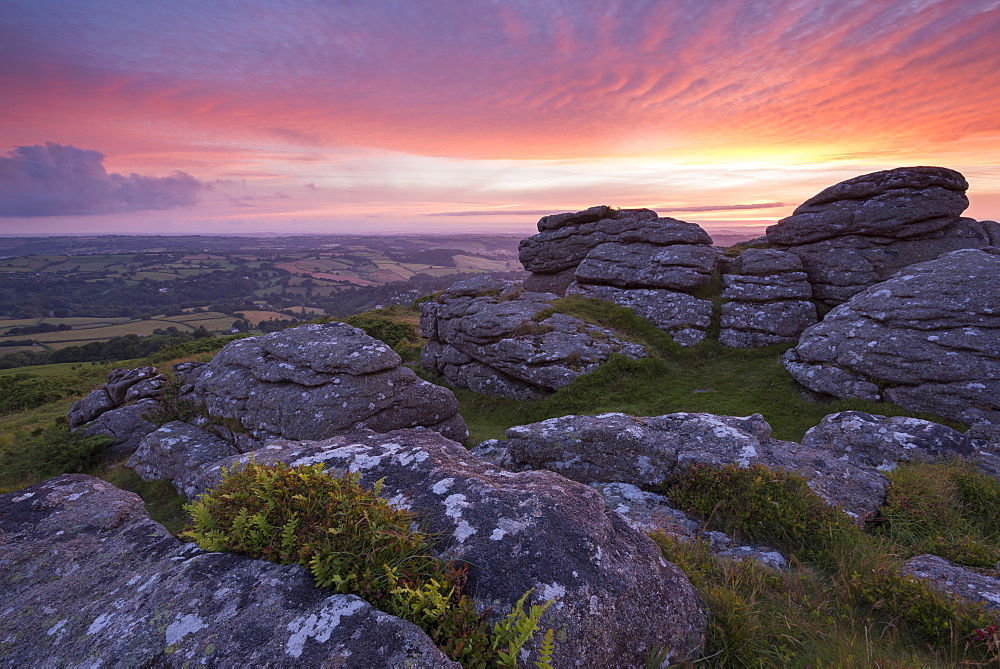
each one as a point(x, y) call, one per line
point(927, 339)
point(122, 387)
point(650, 512)
point(314, 381)
point(616, 598)
point(176, 451)
point(649, 451)
point(117, 408)
point(877, 441)
point(768, 299)
point(860, 231)
point(488, 336)
point(644, 265)
point(564, 240)
point(956, 580)
point(630, 257)
point(89, 578)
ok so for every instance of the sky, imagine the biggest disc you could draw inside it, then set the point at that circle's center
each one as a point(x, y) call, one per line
point(298, 116)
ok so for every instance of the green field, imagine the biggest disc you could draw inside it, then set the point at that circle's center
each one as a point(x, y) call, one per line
point(86, 330)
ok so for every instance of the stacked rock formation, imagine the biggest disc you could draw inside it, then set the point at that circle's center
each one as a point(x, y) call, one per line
point(768, 297)
point(312, 382)
point(494, 338)
point(861, 231)
point(630, 257)
point(927, 339)
point(118, 407)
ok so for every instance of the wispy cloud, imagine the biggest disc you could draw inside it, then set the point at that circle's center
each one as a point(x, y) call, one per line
point(718, 207)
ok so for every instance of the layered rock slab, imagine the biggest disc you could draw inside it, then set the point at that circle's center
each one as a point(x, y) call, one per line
point(927, 339)
point(314, 381)
point(630, 257)
point(650, 451)
point(491, 337)
point(90, 579)
point(860, 231)
point(616, 599)
point(768, 299)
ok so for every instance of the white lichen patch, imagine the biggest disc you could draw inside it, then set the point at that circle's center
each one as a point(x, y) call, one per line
point(453, 505)
point(463, 531)
point(321, 626)
point(442, 486)
point(182, 626)
point(551, 592)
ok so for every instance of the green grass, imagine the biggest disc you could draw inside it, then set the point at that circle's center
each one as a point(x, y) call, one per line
point(707, 377)
point(846, 583)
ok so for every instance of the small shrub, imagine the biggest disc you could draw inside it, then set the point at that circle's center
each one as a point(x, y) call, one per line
point(49, 451)
point(765, 505)
point(389, 331)
point(354, 542)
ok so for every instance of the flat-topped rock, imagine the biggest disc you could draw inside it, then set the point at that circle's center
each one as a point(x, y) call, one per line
point(899, 203)
point(566, 239)
point(314, 381)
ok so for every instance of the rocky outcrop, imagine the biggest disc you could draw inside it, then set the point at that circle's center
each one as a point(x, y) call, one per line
point(123, 386)
point(955, 580)
point(312, 382)
point(616, 599)
point(767, 297)
point(493, 338)
point(118, 408)
point(90, 579)
point(650, 512)
point(878, 441)
point(860, 231)
point(176, 452)
point(630, 257)
point(650, 451)
point(927, 339)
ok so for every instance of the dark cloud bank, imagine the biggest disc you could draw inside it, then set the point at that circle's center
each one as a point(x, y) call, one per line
point(55, 180)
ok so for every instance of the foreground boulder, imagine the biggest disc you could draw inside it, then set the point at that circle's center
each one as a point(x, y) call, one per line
point(630, 257)
point(616, 599)
point(89, 579)
point(650, 451)
point(492, 337)
point(927, 339)
point(878, 441)
point(860, 231)
point(311, 382)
